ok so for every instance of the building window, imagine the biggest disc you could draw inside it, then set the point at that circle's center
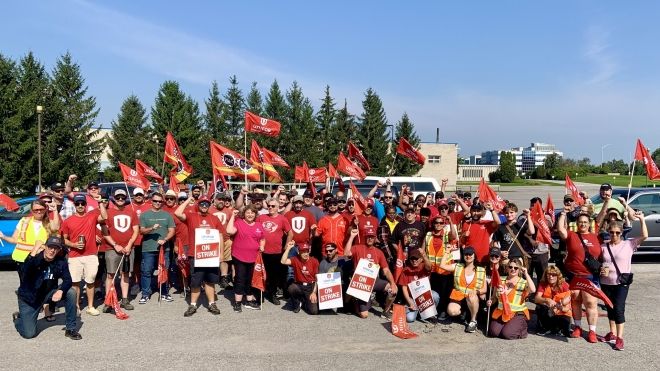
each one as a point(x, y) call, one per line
point(434, 159)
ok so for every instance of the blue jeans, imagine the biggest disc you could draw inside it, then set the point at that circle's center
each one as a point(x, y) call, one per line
point(411, 315)
point(147, 267)
point(26, 325)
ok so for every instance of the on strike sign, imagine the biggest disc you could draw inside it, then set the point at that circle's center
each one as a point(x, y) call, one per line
point(329, 286)
point(363, 280)
point(421, 293)
point(207, 247)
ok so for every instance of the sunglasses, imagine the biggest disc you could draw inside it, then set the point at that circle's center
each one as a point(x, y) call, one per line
point(138, 195)
point(38, 210)
point(120, 198)
point(616, 233)
point(568, 202)
point(93, 188)
point(272, 206)
point(333, 204)
point(495, 256)
point(53, 247)
point(444, 207)
point(330, 250)
point(413, 259)
point(170, 198)
point(388, 197)
point(468, 254)
point(79, 203)
point(513, 268)
point(204, 204)
point(58, 190)
point(156, 201)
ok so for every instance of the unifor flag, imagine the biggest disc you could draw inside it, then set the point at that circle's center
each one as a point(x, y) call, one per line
point(332, 173)
point(583, 284)
point(571, 187)
point(487, 194)
point(399, 323)
point(550, 208)
point(537, 216)
point(300, 174)
point(275, 159)
point(218, 184)
point(259, 274)
point(642, 154)
point(406, 149)
point(8, 202)
point(261, 125)
point(174, 156)
point(144, 170)
point(316, 174)
point(133, 178)
point(346, 166)
point(162, 269)
point(261, 161)
point(400, 262)
point(229, 163)
point(355, 154)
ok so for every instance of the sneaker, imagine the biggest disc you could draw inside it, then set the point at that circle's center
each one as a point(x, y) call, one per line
point(279, 293)
point(591, 337)
point(126, 304)
point(224, 282)
point(471, 327)
point(252, 304)
point(190, 311)
point(92, 311)
point(144, 299)
point(577, 332)
point(15, 316)
point(167, 297)
point(106, 309)
point(237, 307)
point(609, 338)
point(214, 309)
point(442, 316)
point(386, 315)
point(618, 345)
point(72, 334)
point(543, 332)
point(275, 300)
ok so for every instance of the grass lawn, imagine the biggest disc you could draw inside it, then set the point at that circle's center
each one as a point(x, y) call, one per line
point(517, 182)
point(617, 181)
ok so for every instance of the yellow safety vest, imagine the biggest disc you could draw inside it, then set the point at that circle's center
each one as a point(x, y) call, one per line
point(515, 298)
point(459, 280)
point(440, 256)
point(27, 237)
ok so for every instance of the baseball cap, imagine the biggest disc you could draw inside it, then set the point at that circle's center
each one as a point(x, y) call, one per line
point(495, 252)
point(369, 231)
point(297, 199)
point(56, 186)
point(425, 211)
point(331, 200)
point(304, 247)
point(370, 203)
point(441, 202)
point(605, 186)
point(414, 254)
point(196, 187)
point(468, 250)
point(92, 184)
point(568, 197)
point(55, 241)
point(170, 193)
point(377, 194)
point(80, 198)
point(183, 195)
point(614, 211)
point(45, 195)
point(308, 193)
point(138, 191)
point(203, 198)
point(477, 206)
point(119, 192)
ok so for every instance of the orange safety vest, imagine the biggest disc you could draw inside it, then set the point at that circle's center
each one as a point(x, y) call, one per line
point(27, 237)
point(461, 287)
point(516, 299)
point(565, 309)
point(438, 256)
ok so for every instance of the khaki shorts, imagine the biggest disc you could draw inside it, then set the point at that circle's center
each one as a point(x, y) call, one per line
point(226, 251)
point(112, 259)
point(84, 268)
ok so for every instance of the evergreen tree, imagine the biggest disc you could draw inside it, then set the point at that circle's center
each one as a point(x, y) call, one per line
point(175, 112)
point(214, 120)
point(298, 129)
point(276, 109)
point(345, 129)
point(405, 129)
point(325, 121)
point(234, 115)
point(255, 104)
point(372, 134)
point(8, 92)
point(129, 139)
point(73, 145)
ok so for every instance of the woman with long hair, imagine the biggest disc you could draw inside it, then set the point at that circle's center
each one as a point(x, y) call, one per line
point(509, 319)
point(32, 230)
point(553, 303)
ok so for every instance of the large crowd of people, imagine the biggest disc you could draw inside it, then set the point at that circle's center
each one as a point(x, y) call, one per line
point(480, 261)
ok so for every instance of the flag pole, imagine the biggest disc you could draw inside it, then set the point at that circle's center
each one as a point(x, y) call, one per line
point(490, 297)
point(391, 172)
point(632, 172)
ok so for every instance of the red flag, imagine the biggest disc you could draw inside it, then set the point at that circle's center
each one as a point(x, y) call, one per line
point(275, 159)
point(486, 194)
point(300, 174)
point(260, 125)
point(259, 274)
point(537, 216)
point(355, 153)
point(495, 282)
point(133, 178)
point(583, 284)
point(218, 185)
point(317, 175)
point(174, 156)
point(184, 265)
point(111, 301)
point(406, 149)
point(400, 261)
point(144, 170)
point(261, 161)
point(229, 163)
point(642, 154)
point(332, 172)
point(9, 202)
point(357, 196)
point(571, 187)
point(174, 184)
point(162, 269)
point(550, 208)
point(399, 324)
point(347, 167)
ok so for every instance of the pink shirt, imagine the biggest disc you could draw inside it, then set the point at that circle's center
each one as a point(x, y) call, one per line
point(623, 252)
point(246, 241)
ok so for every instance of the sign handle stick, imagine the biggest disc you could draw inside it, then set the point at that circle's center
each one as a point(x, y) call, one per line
point(517, 234)
point(632, 173)
point(391, 172)
point(490, 295)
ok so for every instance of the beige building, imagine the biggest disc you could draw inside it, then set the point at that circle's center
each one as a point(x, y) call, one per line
point(441, 162)
point(105, 155)
point(474, 173)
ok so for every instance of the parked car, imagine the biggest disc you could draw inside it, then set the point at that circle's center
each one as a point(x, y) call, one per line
point(647, 201)
point(8, 222)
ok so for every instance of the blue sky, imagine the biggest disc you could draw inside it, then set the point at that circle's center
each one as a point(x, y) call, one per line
point(489, 74)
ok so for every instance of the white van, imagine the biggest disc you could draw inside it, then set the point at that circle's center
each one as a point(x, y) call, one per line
point(418, 185)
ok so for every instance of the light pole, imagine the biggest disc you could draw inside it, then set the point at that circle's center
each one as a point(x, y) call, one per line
point(602, 154)
point(40, 110)
point(156, 140)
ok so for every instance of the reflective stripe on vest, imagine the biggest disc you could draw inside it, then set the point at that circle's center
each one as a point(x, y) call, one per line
point(515, 297)
point(27, 237)
point(437, 257)
point(459, 279)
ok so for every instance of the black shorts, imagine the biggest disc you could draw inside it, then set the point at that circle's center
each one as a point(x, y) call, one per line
point(205, 274)
point(379, 286)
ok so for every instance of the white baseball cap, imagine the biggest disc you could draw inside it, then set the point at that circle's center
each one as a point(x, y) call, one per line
point(137, 191)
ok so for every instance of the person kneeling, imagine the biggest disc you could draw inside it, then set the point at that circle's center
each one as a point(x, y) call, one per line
point(417, 267)
point(42, 270)
point(511, 315)
point(303, 288)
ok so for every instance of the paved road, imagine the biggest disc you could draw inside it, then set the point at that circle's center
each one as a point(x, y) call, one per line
point(159, 337)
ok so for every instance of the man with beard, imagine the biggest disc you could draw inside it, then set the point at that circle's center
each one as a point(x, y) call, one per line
point(303, 288)
point(276, 228)
point(332, 227)
point(409, 233)
point(310, 206)
point(365, 221)
point(302, 222)
point(476, 231)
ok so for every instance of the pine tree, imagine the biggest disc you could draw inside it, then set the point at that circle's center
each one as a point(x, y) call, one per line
point(234, 115)
point(405, 129)
point(130, 138)
point(276, 109)
point(325, 121)
point(344, 130)
point(255, 104)
point(372, 133)
point(214, 120)
point(73, 146)
point(8, 93)
point(298, 130)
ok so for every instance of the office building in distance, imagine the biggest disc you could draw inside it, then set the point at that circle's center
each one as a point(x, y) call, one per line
point(527, 158)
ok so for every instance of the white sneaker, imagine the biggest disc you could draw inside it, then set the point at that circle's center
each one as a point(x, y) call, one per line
point(92, 311)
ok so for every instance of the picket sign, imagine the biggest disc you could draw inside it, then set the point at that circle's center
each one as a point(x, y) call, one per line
point(363, 280)
point(421, 293)
point(207, 247)
point(329, 286)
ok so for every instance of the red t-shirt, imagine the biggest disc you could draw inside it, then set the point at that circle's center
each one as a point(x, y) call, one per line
point(479, 238)
point(275, 228)
point(364, 222)
point(348, 216)
point(304, 271)
point(301, 224)
point(120, 224)
point(409, 274)
point(574, 262)
point(195, 220)
point(75, 226)
point(373, 254)
point(223, 215)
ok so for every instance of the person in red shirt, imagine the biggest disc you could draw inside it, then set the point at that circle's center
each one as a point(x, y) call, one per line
point(477, 231)
point(365, 221)
point(302, 222)
point(332, 227)
point(417, 266)
point(198, 222)
point(122, 231)
point(576, 244)
point(223, 211)
point(276, 228)
point(349, 211)
point(79, 232)
point(375, 255)
point(303, 288)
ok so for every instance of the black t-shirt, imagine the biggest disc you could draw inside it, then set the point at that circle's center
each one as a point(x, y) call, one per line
point(411, 236)
point(506, 239)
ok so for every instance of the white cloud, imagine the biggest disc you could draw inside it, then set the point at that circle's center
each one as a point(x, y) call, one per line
point(598, 52)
